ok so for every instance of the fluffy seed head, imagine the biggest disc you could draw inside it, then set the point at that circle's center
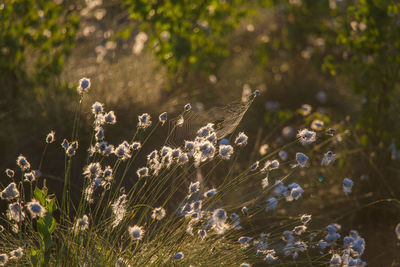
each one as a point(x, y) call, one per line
point(306, 136)
point(301, 159)
point(270, 165)
point(317, 125)
point(110, 118)
point(163, 118)
point(158, 213)
point(179, 256)
point(142, 172)
point(50, 138)
point(3, 259)
point(36, 209)
point(84, 85)
point(136, 232)
point(23, 163)
point(17, 253)
point(328, 158)
point(82, 223)
point(10, 173)
point(241, 139)
point(15, 212)
point(305, 110)
point(10, 192)
point(225, 151)
point(97, 108)
point(305, 218)
point(347, 186)
point(144, 121)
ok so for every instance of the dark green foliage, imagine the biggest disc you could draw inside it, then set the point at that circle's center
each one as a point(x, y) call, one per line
point(35, 38)
point(186, 35)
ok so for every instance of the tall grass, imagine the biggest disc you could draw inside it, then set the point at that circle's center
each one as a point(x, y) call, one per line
point(175, 213)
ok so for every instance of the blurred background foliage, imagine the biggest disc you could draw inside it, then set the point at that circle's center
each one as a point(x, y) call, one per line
point(342, 57)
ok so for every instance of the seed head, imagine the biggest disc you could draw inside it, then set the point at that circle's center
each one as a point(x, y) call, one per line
point(50, 138)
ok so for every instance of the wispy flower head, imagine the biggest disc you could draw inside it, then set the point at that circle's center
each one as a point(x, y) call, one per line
point(347, 186)
point(295, 192)
point(65, 144)
point(298, 230)
point(136, 232)
point(123, 151)
point(23, 163)
point(188, 107)
point(97, 108)
point(163, 118)
point(270, 165)
point(270, 257)
point(225, 151)
point(92, 171)
point(110, 118)
point(10, 192)
point(306, 136)
point(245, 241)
point(272, 203)
point(153, 156)
point(144, 121)
point(305, 218)
point(241, 139)
point(17, 253)
point(283, 155)
point(328, 158)
point(190, 146)
point(194, 187)
point(331, 131)
point(288, 132)
point(84, 85)
point(15, 212)
point(183, 159)
point(142, 172)
point(280, 189)
point(206, 130)
point(317, 125)
point(263, 149)
point(245, 211)
point(158, 213)
point(336, 260)
point(179, 256)
point(265, 182)
point(255, 165)
point(122, 263)
point(104, 148)
point(50, 138)
point(99, 133)
point(10, 173)
point(3, 259)
point(217, 221)
point(31, 176)
point(136, 146)
point(305, 110)
point(71, 150)
point(108, 173)
point(301, 159)
point(202, 233)
point(82, 224)
point(210, 193)
point(36, 209)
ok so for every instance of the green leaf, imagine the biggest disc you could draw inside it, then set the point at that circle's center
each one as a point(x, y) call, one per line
point(40, 196)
